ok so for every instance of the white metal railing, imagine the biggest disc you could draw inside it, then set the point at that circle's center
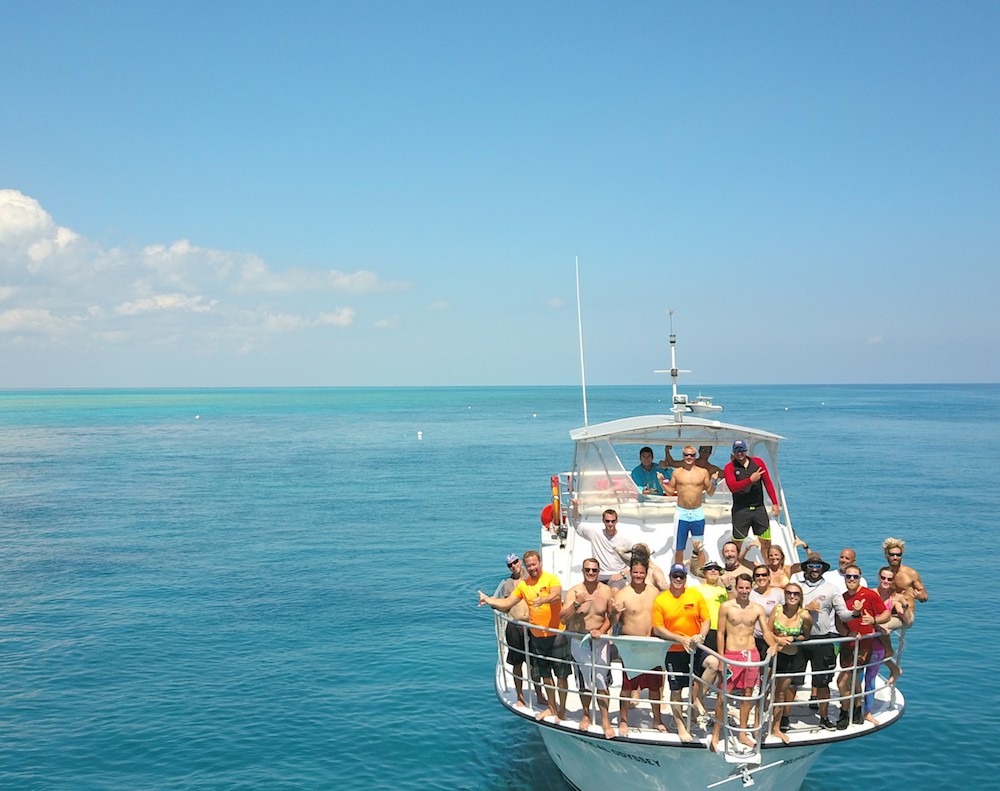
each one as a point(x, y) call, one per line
point(764, 707)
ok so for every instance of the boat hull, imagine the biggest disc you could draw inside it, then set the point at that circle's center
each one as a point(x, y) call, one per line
point(591, 763)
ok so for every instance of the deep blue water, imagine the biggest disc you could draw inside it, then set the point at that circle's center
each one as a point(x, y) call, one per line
point(214, 589)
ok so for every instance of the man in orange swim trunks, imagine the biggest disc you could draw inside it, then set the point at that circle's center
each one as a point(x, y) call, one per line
point(737, 618)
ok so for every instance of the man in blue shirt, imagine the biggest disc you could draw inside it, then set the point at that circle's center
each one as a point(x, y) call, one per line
point(648, 477)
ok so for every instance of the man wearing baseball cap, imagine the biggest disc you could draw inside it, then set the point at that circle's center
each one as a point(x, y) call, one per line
point(745, 475)
point(680, 614)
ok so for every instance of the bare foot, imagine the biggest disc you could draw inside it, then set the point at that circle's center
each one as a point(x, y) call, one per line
point(661, 727)
point(542, 715)
point(746, 741)
point(609, 732)
point(870, 718)
point(684, 734)
point(521, 704)
point(584, 723)
point(779, 735)
point(714, 744)
point(623, 728)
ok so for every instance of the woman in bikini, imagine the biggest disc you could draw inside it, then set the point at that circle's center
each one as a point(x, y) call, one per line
point(790, 624)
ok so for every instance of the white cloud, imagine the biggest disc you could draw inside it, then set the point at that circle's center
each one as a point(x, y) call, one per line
point(875, 340)
point(57, 286)
point(440, 305)
point(387, 323)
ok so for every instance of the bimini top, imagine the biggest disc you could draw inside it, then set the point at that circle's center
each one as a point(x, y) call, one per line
point(665, 428)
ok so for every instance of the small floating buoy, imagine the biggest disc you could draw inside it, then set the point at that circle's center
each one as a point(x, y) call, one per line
point(786, 409)
point(197, 417)
point(534, 414)
point(420, 435)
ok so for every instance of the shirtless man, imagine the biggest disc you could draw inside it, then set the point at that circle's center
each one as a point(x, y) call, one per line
point(586, 611)
point(690, 483)
point(632, 606)
point(704, 451)
point(907, 579)
point(732, 565)
point(738, 619)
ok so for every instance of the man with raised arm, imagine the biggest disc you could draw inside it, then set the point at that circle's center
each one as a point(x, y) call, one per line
point(747, 477)
point(549, 653)
point(604, 544)
point(632, 607)
point(738, 619)
point(690, 483)
point(680, 614)
point(586, 611)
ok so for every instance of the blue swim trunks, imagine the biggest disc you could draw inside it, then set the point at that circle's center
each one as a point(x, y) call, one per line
point(690, 522)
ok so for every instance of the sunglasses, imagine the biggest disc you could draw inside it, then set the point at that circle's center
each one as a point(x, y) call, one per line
point(852, 576)
point(740, 450)
point(690, 455)
point(513, 563)
point(814, 565)
point(885, 578)
point(678, 576)
point(793, 593)
point(610, 521)
point(895, 554)
point(591, 571)
point(763, 574)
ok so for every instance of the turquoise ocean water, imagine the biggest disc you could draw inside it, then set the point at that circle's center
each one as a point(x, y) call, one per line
point(232, 589)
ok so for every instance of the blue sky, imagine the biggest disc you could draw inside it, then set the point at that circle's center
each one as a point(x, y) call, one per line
point(390, 193)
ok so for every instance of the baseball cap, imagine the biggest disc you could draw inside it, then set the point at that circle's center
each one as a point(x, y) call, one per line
point(678, 568)
point(740, 444)
point(511, 558)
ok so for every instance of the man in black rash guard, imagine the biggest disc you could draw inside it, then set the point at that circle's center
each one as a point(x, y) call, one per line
point(744, 475)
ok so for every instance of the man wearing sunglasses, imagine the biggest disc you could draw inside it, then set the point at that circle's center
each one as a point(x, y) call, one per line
point(873, 610)
point(680, 614)
point(821, 598)
point(747, 478)
point(586, 612)
point(907, 579)
point(848, 557)
point(604, 545)
point(690, 483)
point(514, 634)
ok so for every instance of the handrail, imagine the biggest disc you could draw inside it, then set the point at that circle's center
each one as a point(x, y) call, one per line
point(762, 700)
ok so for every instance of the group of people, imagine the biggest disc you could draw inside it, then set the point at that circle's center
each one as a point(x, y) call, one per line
point(694, 476)
point(739, 611)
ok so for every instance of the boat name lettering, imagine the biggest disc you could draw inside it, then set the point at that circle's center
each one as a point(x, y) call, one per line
point(638, 758)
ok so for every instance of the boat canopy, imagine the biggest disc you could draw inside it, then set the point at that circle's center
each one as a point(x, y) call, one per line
point(601, 477)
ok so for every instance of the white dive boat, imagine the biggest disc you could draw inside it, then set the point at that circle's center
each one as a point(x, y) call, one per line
point(646, 757)
point(704, 403)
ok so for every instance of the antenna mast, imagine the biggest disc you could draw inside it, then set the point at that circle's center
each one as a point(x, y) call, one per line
point(579, 323)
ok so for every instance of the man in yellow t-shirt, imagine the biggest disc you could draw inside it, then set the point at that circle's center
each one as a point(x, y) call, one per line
point(549, 653)
point(681, 614)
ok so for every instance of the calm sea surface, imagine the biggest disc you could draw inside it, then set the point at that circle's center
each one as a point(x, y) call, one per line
point(222, 589)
